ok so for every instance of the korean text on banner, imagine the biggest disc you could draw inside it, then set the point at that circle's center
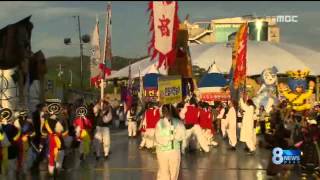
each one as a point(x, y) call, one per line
point(170, 89)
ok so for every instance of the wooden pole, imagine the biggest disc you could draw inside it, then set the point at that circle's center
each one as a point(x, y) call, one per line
point(317, 88)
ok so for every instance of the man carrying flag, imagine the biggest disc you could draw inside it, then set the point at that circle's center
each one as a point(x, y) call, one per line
point(104, 111)
point(238, 81)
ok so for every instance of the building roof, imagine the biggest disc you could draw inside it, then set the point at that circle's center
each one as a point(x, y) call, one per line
point(260, 55)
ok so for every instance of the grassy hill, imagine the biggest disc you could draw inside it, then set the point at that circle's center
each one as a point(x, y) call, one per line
point(73, 64)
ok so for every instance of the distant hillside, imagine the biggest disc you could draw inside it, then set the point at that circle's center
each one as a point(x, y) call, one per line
point(73, 64)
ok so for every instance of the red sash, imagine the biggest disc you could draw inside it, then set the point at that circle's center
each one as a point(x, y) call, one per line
point(54, 145)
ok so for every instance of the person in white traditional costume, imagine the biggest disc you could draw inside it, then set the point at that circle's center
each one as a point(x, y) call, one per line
point(102, 134)
point(247, 132)
point(222, 117)
point(231, 119)
point(132, 121)
point(168, 136)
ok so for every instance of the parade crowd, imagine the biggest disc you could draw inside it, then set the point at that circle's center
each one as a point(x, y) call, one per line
point(169, 131)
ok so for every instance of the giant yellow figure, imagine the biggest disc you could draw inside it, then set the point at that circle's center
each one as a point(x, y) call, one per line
point(298, 94)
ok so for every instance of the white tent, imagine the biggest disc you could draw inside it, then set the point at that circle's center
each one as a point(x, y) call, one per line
point(261, 55)
point(146, 66)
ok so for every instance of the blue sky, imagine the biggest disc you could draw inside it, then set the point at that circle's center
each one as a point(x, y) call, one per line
point(53, 21)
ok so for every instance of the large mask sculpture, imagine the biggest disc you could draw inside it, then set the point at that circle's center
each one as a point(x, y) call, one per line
point(297, 93)
point(266, 96)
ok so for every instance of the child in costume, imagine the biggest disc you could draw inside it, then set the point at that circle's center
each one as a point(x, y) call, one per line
point(132, 121)
point(10, 146)
point(83, 127)
point(5, 118)
point(54, 131)
point(26, 130)
point(169, 134)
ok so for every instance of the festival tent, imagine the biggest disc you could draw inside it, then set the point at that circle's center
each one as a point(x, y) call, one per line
point(144, 65)
point(211, 85)
point(214, 79)
point(150, 79)
point(260, 55)
point(150, 83)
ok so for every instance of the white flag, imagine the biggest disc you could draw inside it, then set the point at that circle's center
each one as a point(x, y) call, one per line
point(164, 14)
point(95, 50)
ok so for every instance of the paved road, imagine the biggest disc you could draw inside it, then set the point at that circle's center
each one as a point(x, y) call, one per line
point(126, 162)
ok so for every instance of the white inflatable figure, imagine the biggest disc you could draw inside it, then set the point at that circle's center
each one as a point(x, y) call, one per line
point(266, 96)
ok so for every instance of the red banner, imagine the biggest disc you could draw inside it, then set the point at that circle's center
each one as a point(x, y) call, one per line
point(164, 25)
point(215, 96)
point(240, 50)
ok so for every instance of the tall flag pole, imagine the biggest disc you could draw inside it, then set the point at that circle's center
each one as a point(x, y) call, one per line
point(164, 25)
point(141, 93)
point(129, 90)
point(95, 55)
point(105, 66)
point(239, 63)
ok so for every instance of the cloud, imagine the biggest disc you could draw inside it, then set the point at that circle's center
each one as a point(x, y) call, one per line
point(22, 4)
point(53, 21)
point(57, 12)
point(19, 8)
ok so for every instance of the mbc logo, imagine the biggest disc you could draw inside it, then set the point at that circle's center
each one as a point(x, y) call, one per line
point(287, 19)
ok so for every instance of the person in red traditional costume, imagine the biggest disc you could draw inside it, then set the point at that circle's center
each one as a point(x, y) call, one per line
point(190, 114)
point(151, 117)
point(205, 122)
point(83, 126)
point(54, 130)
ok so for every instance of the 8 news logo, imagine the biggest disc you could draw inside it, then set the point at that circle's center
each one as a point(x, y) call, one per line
point(280, 156)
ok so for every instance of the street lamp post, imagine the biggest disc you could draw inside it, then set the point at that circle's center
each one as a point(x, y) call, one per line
point(82, 39)
point(81, 53)
point(70, 83)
